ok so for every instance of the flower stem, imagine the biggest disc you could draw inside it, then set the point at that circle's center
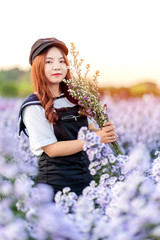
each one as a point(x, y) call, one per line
point(114, 145)
point(115, 148)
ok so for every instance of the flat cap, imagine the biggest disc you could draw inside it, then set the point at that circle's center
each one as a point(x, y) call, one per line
point(41, 44)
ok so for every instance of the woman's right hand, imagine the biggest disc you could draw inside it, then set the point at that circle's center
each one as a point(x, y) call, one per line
point(107, 133)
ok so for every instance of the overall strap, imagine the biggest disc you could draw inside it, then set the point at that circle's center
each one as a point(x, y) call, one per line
point(31, 100)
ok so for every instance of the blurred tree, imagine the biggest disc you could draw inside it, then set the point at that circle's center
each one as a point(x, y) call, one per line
point(9, 89)
point(140, 89)
point(24, 88)
point(16, 82)
point(12, 74)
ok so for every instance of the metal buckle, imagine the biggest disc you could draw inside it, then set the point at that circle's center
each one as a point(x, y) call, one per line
point(70, 117)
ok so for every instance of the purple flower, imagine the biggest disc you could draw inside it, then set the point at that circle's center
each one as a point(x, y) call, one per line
point(104, 152)
point(112, 158)
point(98, 155)
point(121, 178)
point(88, 136)
point(85, 98)
point(104, 161)
point(93, 171)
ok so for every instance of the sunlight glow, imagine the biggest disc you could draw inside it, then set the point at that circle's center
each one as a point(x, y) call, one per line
point(120, 38)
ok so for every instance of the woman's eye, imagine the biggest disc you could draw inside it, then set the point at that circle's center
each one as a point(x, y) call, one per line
point(48, 62)
point(62, 61)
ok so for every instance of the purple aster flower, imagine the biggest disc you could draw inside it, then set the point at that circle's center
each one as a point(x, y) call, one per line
point(92, 171)
point(104, 152)
point(98, 155)
point(88, 135)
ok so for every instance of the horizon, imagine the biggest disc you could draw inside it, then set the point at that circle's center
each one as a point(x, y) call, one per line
point(101, 85)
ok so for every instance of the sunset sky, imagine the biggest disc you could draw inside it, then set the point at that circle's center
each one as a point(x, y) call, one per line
point(120, 38)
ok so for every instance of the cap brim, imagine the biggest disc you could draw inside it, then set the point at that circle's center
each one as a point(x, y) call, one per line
point(40, 49)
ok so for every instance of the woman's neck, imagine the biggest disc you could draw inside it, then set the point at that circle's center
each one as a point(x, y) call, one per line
point(55, 90)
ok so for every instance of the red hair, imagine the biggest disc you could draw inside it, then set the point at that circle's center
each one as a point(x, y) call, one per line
point(41, 86)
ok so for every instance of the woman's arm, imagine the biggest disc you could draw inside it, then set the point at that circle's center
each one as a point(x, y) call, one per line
point(63, 148)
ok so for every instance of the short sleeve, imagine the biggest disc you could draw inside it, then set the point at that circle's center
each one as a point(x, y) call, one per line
point(89, 120)
point(40, 131)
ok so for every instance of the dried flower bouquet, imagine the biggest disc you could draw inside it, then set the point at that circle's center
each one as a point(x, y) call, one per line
point(85, 90)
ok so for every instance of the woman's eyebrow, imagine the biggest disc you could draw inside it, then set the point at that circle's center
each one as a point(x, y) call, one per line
point(53, 58)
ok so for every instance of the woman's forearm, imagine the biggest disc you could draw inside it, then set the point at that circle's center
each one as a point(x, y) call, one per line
point(63, 148)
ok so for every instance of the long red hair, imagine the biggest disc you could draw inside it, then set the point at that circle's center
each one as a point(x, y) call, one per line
point(41, 86)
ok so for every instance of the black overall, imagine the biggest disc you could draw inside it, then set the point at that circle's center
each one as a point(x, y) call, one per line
point(67, 171)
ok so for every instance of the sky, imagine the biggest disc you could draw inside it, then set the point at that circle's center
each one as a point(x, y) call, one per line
point(120, 38)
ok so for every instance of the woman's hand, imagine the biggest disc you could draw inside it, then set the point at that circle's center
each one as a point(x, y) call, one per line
point(107, 133)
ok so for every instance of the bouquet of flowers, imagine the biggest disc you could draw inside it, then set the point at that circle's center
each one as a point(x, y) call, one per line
point(85, 90)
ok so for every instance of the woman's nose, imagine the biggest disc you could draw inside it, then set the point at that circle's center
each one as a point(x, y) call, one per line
point(56, 66)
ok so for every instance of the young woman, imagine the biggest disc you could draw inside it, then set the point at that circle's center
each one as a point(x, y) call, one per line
point(52, 120)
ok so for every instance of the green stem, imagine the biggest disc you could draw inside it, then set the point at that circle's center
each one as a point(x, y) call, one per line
point(116, 148)
point(114, 145)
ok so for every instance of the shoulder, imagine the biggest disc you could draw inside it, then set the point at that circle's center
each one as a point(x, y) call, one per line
point(32, 99)
point(34, 111)
point(63, 102)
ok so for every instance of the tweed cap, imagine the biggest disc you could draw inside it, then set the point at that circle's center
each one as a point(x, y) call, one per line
point(41, 44)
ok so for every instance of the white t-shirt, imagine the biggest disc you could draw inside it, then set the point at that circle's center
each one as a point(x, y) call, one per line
point(40, 130)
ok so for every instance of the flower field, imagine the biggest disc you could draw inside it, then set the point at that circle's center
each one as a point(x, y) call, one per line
point(123, 203)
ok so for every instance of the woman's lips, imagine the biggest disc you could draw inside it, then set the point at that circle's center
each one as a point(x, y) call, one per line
point(57, 74)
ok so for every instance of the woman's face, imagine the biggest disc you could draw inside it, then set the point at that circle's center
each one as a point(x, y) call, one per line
point(55, 66)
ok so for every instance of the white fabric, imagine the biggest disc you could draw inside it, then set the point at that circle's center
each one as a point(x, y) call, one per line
point(40, 131)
